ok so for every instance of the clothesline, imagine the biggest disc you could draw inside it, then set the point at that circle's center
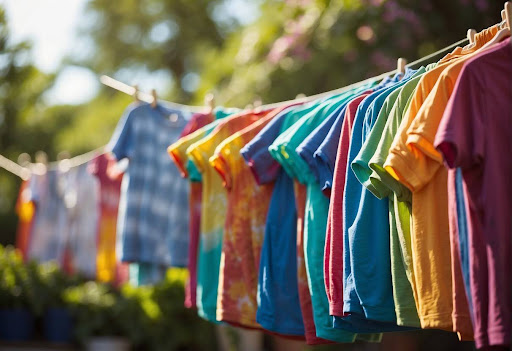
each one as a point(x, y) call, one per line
point(24, 172)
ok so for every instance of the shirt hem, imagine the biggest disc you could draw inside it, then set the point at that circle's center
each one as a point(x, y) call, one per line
point(269, 324)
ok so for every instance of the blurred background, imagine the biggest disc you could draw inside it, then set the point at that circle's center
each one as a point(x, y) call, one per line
point(52, 53)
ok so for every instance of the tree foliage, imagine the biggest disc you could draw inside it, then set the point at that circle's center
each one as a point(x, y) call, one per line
point(291, 47)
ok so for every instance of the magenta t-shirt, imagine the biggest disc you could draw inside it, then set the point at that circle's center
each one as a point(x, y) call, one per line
point(476, 135)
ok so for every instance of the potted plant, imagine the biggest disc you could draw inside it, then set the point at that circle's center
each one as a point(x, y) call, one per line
point(57, 319)
point(98, 326)
point(16, 297)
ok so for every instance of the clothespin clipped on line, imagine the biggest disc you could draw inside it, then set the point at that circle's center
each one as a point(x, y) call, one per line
point(24, 161)
point(257, 103)
point(209, 100)
point(400, 65)
point(63, 160)
point(154, 102)
point(471, 35)
point(508, 14)
point(135, 93)
point(41, 165)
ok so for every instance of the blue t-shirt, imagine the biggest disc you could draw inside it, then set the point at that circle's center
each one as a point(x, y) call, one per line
point(278, 299)
point(367, 282)
point(309, 146)
point(463, 235)
point(324, 157)
point(153, 216)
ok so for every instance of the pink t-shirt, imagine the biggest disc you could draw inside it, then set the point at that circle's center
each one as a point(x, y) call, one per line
point(108, 266)
point(476, 135)
point(333, 252)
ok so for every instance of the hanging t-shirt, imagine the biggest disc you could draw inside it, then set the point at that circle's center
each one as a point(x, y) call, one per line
point(365, 215)
point(265, 170)
point(315, 222)
point(80, 193)
point(401, 287)
point(333, 251)
point(462, 230)
point(141, 274)
point(25, 210)
point(366, 230)
point(177, 151)
point(401, 261)
point(48, 237)
point(107, 265)
point(458, 248)
point(306, 306)
point(213, 208)
point(278, 297)
point(153, 217)
point(473, 133)
point(247, 206)
point(414, 162)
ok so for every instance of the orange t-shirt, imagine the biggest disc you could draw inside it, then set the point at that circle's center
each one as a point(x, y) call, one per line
point(414, 161)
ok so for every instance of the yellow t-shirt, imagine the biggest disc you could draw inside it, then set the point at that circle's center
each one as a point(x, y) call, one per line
point(414, 162)
point(178, 150)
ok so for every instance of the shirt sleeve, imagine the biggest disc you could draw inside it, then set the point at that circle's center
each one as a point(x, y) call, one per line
point(401, 158)
point(309, 147)
point(122, 142)
point(257, 156)
point(198, 153)
point(177, 151)
point(460, 137)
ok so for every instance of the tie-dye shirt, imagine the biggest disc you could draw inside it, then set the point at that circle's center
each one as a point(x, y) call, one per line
point(214, 204)
point(246, 214)
point(177, 151)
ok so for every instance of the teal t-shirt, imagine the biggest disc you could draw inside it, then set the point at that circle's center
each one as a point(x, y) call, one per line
point(285, 151)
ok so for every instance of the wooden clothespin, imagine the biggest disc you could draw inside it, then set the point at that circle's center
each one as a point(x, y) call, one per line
point(24, 161)
point(471, 35)
point(508, 14)
point(400, 65)
point(154, 102)
point(136, 93)
point(209, 100)
point(63, 159)
point(41, 162)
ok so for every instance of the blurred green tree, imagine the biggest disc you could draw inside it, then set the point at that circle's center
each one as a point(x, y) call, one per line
point(153, 35)
point(310, 46)
point(23, 127)
point(282, 49)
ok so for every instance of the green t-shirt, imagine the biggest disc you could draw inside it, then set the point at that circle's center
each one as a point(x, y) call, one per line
point(382, 185)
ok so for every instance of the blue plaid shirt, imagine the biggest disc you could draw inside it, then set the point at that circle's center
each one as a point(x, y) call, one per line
point(153, 210)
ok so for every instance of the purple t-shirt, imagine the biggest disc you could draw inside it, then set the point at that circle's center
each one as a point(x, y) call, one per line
point(476, 135)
